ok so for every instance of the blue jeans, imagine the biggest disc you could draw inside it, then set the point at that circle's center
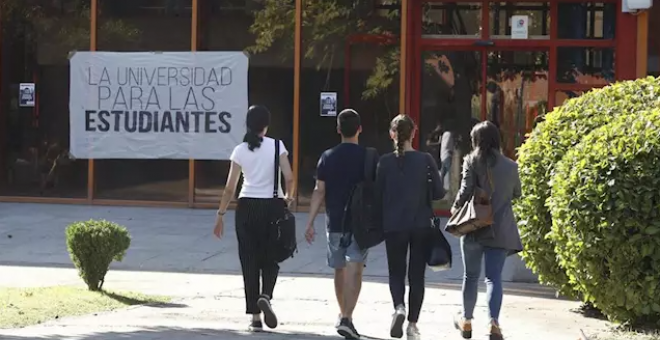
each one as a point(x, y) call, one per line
point(473, 252)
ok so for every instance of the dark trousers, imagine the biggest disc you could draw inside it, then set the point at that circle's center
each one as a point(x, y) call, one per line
point(253, 217)
point(397, 245)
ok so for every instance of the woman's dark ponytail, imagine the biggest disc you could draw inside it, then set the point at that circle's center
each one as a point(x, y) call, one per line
point(252, 139)
point(257, 120)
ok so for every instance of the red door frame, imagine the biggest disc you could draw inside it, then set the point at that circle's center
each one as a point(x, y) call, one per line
point(626, 26)
point(623, 44)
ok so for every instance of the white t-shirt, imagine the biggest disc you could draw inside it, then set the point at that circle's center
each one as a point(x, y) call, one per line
point(258, 168)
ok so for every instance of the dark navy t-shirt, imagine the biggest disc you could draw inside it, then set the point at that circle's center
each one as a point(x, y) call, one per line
point(341, 168)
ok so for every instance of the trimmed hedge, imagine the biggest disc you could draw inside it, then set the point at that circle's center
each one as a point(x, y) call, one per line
point(93, 245)
point(605, 209)
point(548, 143)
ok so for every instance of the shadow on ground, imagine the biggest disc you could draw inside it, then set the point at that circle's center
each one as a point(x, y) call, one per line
point(510, 288)
point(162, 333)
point(130, 301)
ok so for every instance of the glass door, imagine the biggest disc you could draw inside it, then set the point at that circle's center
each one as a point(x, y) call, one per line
point(450, 100)
point(463, 86)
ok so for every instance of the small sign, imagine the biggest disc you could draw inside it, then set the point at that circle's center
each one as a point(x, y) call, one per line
point(328, 104)
point(520, 27)
point(26, 95)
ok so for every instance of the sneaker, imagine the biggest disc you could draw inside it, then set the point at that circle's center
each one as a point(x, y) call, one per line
point(495, 331)
point(338, 321)
point(396, 328)
point(464, 326)
point(269, 315)
point(256, 326)
point(413, 332)
point(347, 329)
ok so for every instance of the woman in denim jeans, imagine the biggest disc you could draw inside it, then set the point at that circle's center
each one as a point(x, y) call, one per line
point(485, 167)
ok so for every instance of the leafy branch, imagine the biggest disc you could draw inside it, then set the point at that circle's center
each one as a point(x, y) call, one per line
point(326, 25)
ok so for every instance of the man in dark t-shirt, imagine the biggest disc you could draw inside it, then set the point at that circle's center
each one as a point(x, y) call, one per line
point(339, 170)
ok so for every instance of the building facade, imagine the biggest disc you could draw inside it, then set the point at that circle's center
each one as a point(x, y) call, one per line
point(447, 64)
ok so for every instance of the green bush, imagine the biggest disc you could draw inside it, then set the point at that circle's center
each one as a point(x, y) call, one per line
point(547, 145)
point(93, 245)
point(605, 209)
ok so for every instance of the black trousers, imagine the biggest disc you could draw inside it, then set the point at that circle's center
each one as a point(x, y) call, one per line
point(253, 230)
point(397, 245)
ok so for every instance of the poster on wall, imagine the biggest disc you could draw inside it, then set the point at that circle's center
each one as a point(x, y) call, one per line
point(519, 27)
point(328, 104)
point(165, 105)
point(26, 95)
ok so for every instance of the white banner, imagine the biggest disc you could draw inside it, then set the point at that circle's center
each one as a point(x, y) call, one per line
point(146, 105)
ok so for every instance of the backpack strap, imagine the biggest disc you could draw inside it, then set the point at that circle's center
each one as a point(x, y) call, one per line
point(369, 172)
point(370, 158)
point(276, 169)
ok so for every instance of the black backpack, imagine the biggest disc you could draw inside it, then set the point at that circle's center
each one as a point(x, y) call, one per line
point(360, 219)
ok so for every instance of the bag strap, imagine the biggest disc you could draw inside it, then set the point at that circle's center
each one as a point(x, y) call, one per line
point(429, 182)
point(368, 169)
point(276, 169)
point(369, 160)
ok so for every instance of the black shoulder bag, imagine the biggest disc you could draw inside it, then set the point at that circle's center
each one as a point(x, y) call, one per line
point(284, 222)
point(438, 250)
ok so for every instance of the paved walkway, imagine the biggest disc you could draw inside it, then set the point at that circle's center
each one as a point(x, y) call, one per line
point(174, 240)
point(173, 254)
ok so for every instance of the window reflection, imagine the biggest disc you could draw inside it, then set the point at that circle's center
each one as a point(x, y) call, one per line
point(585, 65)
point(143, 25)
point(34, 153)
point(451, 101)
point(653, 61)
point(451, 19)
point(517, 93)
point(363, 72)
point(586, 20)
point(225, 26)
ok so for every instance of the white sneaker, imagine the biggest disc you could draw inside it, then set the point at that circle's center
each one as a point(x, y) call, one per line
point(398, 318)
point(413, 332)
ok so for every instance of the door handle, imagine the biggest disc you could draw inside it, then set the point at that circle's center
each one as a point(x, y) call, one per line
point(484, 43)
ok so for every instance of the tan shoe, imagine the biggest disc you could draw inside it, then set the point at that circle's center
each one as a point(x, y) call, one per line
point(463, 325)
point(495, 332)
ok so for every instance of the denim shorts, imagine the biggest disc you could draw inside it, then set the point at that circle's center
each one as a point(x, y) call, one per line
point(339, 255)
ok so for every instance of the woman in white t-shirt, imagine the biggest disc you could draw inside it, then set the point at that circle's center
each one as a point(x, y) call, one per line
point(255, 159)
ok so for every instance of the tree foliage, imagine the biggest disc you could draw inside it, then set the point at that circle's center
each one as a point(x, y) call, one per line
point(65, 23)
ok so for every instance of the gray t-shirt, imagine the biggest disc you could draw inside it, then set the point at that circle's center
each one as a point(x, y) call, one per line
point(404, 187)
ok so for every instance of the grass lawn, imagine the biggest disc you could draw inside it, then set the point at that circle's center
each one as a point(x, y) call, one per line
point(20, 307)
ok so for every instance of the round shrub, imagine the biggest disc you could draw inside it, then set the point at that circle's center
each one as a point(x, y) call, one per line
point(605, 209)
point(93, 245)
point(548, 143)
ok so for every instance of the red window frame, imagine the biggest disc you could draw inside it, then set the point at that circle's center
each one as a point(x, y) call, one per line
point(625, 68)
point(624, 63)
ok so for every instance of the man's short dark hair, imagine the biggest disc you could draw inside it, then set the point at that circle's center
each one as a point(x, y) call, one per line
point(348, 123)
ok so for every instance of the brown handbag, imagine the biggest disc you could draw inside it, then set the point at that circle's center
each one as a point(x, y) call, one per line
point(475, 214)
